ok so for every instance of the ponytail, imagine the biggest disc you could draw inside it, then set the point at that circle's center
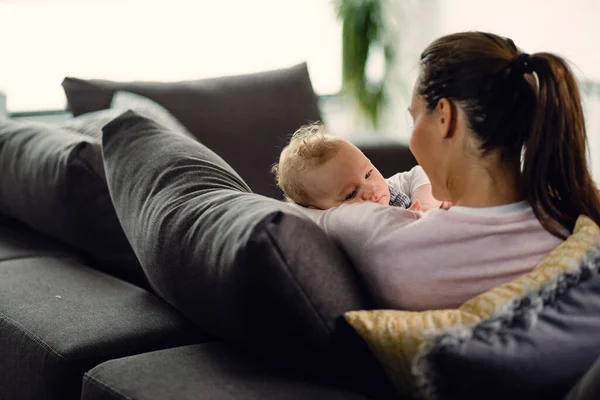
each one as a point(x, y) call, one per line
point(557, 181)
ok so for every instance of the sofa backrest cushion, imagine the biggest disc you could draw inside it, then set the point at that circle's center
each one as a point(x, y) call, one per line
point(246, 119)
point(91, 124)
point(51, 179)
point(244, 267)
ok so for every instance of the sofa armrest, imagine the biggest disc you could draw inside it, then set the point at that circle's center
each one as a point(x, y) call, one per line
point(389, 156)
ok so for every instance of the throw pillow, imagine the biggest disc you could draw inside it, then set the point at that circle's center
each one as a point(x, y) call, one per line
point(246, 119)
point(401, 339)
point(91, 123)
point(52, 180)
point(537, 349)
point(243, 267)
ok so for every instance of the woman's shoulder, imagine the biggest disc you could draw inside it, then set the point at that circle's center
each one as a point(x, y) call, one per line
point(455, 220)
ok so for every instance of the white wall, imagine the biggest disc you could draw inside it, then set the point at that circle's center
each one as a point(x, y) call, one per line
point(569, 28)
point(414, 26)
point(45, 40)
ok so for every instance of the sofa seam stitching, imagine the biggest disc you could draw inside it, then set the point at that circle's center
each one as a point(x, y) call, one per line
point(60, 256)
point(33, 336)
point(104, 386)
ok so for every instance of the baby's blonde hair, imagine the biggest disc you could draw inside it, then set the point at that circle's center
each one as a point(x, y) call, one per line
point(309, 147)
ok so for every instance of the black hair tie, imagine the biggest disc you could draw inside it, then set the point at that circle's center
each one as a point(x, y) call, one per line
point(523, 64)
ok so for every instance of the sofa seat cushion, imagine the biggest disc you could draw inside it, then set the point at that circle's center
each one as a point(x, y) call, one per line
point(202, 372)
point(59, 318)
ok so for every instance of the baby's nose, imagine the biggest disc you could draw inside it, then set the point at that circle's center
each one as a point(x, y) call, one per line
point(369, 193)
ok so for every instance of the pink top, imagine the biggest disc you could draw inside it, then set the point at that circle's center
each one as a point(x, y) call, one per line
point(438, 260)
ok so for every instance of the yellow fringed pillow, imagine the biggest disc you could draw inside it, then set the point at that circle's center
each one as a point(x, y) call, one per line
point(397, 338)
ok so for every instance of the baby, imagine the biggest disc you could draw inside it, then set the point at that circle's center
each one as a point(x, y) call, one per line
point(320, 171)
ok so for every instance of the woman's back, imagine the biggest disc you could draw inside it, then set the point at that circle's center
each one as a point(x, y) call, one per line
point(413, 261)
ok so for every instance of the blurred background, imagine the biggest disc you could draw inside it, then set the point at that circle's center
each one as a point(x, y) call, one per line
point(169, 40)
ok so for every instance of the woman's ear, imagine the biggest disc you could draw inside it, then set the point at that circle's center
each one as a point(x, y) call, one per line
point(446, 115)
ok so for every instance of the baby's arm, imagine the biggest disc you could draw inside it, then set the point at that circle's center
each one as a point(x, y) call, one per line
point(416, 184)
point(425, 196)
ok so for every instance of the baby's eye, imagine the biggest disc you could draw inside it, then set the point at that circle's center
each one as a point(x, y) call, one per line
point(351, 195)
point(368, 174)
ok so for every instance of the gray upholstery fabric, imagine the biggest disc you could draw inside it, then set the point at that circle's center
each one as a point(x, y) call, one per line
point(91, 124)
point(240, 265)
point(245, 119)
point(59, 318)
point(202, 372)
point(588, 388)
point(52, 180)
point(18, 241)
point(539, 351)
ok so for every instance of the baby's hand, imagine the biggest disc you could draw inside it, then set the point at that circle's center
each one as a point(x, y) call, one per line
point(424, 195)
point(418, 206)
point(415, 206)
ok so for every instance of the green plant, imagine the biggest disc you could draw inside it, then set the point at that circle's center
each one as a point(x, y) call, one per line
point(363, 29)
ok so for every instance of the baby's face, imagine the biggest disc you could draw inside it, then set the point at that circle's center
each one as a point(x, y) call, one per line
point(349, 177)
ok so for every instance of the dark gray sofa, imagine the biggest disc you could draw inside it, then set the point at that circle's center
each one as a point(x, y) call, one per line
point(61, 319)
point(72, 326)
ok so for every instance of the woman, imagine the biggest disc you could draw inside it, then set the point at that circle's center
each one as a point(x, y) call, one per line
point(501, 136)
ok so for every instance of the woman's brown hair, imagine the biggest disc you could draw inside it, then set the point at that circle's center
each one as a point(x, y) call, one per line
point(507, 111)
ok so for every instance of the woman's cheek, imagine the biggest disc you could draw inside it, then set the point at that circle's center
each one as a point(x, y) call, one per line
point(415, 144)
point(411, 142)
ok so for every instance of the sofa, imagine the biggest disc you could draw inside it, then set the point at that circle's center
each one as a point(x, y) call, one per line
point(147, 254)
